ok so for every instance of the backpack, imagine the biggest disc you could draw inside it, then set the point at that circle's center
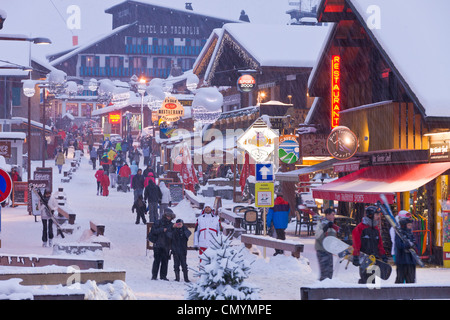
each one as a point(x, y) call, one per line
point(152, 237)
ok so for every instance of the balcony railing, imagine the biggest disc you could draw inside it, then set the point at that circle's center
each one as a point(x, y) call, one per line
point(166, 50)
point(123, 72)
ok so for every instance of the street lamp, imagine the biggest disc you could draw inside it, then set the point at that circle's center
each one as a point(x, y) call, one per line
point(29, 90)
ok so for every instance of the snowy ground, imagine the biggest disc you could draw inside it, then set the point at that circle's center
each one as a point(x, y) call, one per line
point(279, 277)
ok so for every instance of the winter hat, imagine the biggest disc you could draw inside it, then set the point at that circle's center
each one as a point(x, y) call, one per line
point(169, 213)
point(404, 221)
point(329, 210)
point(370, 211)
point(179, 220)
point(402, 214)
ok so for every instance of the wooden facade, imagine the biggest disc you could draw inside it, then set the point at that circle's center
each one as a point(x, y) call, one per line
point(379, 106)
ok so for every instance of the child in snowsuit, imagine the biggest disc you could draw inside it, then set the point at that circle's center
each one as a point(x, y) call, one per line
point(180, 236)
point(141, 209)
point(105, 184)
point(406, 265)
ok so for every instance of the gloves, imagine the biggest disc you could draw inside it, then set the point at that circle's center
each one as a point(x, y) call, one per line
point(356, 261)
point(327, 226)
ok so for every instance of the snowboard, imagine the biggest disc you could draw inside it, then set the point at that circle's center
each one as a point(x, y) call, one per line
point(366, 262)
point(390, 218)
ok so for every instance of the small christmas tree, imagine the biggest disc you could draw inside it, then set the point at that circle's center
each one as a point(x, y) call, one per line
point(221, 274)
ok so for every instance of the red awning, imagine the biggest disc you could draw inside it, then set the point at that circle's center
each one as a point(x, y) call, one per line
point(365, 185)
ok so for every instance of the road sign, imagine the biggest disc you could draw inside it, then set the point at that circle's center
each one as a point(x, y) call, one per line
point(264, 172)
point(264, 194)
point(5, 185)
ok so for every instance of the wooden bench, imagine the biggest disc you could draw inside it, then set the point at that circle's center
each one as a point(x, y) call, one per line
point(192, 198)
point(266, 241)
point(231, 217)
point(68, 214)
point(364, 292)
point(42, 261)
point(98, 229)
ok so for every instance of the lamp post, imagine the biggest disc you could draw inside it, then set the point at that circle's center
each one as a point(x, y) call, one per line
point(29, 91)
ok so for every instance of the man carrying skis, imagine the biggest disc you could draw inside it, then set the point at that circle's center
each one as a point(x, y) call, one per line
point(367, 238)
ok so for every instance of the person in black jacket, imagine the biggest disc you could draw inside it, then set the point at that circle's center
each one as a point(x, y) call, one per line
point(138, 184)
point(406, 265)
point(180, 236)
point(161, 247)
point(153, 194)
point(141, 209)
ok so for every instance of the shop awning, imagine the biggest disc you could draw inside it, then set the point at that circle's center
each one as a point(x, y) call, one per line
point(366, 185)
point(293, 175)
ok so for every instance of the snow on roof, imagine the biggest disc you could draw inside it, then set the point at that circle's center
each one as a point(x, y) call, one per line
point(190, 12)
point(13, 135)
point(415, 38)
point(89, 44)
point(280, 45)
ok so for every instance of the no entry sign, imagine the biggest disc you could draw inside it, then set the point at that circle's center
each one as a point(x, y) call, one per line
point(5, 185)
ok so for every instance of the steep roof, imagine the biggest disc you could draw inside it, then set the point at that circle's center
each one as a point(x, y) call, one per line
point(412, 36)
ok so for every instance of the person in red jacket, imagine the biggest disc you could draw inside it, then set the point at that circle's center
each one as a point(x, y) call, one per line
point(124, 178)
point(367, 238)
point(99, 175)
point(105, 184)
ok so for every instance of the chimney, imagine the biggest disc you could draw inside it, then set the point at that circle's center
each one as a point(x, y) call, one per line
point(189, 6)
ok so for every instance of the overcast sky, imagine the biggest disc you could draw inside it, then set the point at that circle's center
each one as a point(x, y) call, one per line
point(48, 18)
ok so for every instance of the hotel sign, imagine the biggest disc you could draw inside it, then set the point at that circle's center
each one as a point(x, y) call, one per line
point(335, 90)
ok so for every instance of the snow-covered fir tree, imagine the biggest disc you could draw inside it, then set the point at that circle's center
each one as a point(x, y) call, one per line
point(221, 274)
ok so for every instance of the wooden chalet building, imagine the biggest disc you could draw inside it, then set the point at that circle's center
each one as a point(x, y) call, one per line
point(146, 40)
point(384, 77)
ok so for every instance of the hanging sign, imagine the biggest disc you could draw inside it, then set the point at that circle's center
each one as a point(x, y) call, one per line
point(335, 90)
point(342, 143)
point(259, 141)
point(289, 150)
point(171, 110)
point(246, 83)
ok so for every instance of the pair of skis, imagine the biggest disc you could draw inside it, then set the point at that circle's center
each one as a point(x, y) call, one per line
point(55, 221)
point(390, 218)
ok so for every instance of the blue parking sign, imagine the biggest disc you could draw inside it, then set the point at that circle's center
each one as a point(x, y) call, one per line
point(264, 172)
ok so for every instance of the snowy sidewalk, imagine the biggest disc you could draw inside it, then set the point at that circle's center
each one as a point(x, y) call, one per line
point(280, 277)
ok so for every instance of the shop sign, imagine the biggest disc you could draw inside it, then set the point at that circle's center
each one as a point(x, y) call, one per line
point(259, 141)
point(114, 118)
point(439, 151)
point(5, 149)
point(335, 90)
point(314, 145)
point(342, 143)
point(289, 150)
point(171, 110)
point(346, 167)
point(246, 83)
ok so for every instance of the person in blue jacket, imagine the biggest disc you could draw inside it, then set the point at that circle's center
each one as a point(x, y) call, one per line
point(278, 215)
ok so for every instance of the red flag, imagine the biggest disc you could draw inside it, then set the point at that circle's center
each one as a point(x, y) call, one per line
point(247, 170)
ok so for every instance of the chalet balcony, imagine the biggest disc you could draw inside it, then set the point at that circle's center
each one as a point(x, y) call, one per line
point(164, 50)
point(122, 72)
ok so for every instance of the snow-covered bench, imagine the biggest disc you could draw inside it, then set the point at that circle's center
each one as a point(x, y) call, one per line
point(9, 260)
point(265, 241)
point(192, 198)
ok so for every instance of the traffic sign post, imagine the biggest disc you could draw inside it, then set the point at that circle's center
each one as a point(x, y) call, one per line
point(264, 172)
point(6, 186)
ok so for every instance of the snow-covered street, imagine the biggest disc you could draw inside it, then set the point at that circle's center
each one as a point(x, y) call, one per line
point(278, 277)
